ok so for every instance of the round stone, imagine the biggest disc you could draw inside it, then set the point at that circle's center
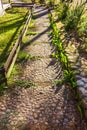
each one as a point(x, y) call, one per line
point(85, 86)
point(80, 83)
point(84, 80)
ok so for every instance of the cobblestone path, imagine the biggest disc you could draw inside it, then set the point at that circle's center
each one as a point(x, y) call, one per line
point(45, 106)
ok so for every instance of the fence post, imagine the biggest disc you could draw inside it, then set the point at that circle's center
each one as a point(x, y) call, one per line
point(3, 73)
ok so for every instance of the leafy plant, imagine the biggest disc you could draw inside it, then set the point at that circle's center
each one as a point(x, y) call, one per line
point(42, 1)
point(82, 27)
point(25, 84)
point(62, 9)
point(85, 43)
point(73, 17)
point(24, 56)
point(60, 53)
point(31, 33)
point(80, 109)
point(3, 87)
point(58, 82)
point(51, 2)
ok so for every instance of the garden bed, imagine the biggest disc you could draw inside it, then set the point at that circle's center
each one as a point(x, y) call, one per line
point(75, 46)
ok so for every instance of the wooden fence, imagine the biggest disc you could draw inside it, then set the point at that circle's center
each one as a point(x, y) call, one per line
point(5, 70)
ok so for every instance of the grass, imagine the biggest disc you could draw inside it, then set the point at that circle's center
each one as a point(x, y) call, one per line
point(73, 17)
point(10, 25)
point(25, 84)
point(61, 10)
point(22, 56)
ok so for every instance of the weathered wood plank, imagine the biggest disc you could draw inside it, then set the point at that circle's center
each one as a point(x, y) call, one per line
point(13, 62)
point(5, 71)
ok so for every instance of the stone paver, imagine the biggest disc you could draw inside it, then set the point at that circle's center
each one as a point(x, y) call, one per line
point(46, 106)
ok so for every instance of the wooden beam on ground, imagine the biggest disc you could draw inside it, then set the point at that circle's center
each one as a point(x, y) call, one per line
point(14, 53)
point(22, 4)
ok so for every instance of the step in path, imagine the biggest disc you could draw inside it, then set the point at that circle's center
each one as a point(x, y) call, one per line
point(45, 106)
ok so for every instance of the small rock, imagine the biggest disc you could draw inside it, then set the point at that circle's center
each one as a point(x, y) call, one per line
point(40, 92)
point(78, 64)
point(57, 121)
point(46, 123)
point(80, 83)
point(78, 77)
point(86, 114)
point(64, 124)
point(8, 111)
point(35, 115)
point(82, 74)
point(85, 86)
point(74, 67)
point(84, 80)
point(85, 99)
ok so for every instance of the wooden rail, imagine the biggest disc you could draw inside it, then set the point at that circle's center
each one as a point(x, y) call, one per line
point(5, 71)
point(21, 4)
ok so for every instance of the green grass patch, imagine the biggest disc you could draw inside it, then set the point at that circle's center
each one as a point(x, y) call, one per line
point(10, 25)
point(29, 32)
point(23, 57)
point(25, 84)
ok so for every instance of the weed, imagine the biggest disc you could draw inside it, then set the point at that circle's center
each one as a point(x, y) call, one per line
point(22, 56)
point(51, 2)
point(25, 84)
point(82, 27)
point(25, 39)
point(3, 87)
point(31, 33)
point(80, 109)
point(73, 17)
point(62, 9)
point(86, 43)
point(60, 53)
point(58, 82)
point(41, 1)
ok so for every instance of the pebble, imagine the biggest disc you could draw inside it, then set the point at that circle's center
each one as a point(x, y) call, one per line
point(66, 120)
point(82, 74)
point(57, 121)
point(85, 86)
point(84, 79)
point(78, 64)
point(40, 92)
point(80, 83)
point(85, 98)
point(35, 115)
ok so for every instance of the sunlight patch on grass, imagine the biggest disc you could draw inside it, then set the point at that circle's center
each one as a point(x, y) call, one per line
point(10, 25)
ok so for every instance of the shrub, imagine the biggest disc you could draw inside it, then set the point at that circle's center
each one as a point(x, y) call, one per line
point(51, 2)
point(62, 9)
point(82, 28)
point(42, 1)
point(73, 17)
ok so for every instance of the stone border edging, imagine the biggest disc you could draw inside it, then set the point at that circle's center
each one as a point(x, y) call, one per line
point(81, 80)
